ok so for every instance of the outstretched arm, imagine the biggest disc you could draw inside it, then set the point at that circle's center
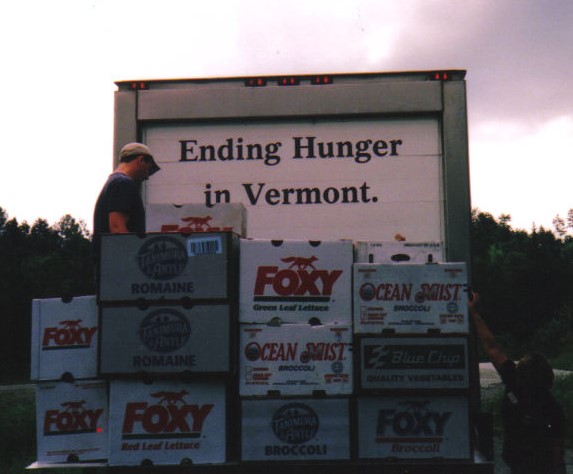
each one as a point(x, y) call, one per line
point(487, 339)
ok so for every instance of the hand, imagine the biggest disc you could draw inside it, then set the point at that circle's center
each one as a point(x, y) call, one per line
point(473, 300)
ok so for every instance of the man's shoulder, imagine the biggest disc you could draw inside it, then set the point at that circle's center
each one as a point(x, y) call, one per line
point(119, 178)
point(115, 180)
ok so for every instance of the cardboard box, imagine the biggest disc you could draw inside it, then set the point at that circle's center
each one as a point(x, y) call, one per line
point(167, 267)
point(295, 430)
point(64, 338)
point(409, 427)
point(295, 359)
point(398, 252)
point(167, 423)
point(71, 421)
point(410, 298)
point(165, 339)
point(187, 218)
point(413, 362)
point(295, 281)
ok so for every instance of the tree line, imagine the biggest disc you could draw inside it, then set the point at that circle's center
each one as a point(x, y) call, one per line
point(524, 278)
point(37, 261)
point(526, 283)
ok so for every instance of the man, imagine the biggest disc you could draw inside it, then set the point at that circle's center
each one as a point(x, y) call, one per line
point(534, 423)
point(119, 207)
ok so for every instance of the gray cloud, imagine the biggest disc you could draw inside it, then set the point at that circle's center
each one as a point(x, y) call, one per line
point(518, 54)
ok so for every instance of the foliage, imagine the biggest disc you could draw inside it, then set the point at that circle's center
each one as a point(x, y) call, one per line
point(40, 261)
point(17, 430)
point(563, 391)
point(525, 282)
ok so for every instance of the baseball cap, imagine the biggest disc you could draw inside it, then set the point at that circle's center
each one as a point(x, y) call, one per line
point(135, 149)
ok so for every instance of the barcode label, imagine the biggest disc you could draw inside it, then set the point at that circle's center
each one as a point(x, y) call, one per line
point(204, 246)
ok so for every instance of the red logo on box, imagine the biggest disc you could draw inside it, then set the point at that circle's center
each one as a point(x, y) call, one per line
point(74, 419)
point(169, 417)
point(295, 281)
point(69, 335)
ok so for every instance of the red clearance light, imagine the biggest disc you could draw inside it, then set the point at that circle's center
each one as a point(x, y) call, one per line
point(440, 76)
point(139, 86)
point(289, 81)
point(321, 80)
point(256, 82)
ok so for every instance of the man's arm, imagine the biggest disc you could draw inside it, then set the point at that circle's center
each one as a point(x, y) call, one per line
point(118, 222)
point(487, 339)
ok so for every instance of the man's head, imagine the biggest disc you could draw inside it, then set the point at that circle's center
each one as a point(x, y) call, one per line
point(137, 160)
point(534, 373)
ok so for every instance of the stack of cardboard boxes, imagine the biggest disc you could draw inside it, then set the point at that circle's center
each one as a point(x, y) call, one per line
point(71, 402)
point(168, 324)
point(411, 327)
point(295, 354)
point(205, 348)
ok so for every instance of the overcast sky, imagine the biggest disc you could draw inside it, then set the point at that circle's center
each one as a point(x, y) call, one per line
point(60, 60)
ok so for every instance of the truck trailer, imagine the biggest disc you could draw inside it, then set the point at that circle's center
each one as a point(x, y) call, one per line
point(371, 158)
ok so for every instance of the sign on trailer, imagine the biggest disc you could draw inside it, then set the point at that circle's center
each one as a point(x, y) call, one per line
point(310, 179)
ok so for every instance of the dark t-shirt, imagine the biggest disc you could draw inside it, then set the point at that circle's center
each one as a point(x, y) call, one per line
point(120, 193)
point(533, 426)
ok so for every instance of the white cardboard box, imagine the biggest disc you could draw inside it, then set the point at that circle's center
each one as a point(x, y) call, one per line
point(184, 218)
point(64, 338)
point(72, 421)
point(410, 298)
point(165, 339)
point(295, 359)
point(167, 267)
point(413, 427)
point(167, 423)
point(413, 362)
point(295, 430)
point(398, 252)
point(295, 281)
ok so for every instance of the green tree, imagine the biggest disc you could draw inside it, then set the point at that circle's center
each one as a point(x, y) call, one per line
point(40, 261)
point(523, 278)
